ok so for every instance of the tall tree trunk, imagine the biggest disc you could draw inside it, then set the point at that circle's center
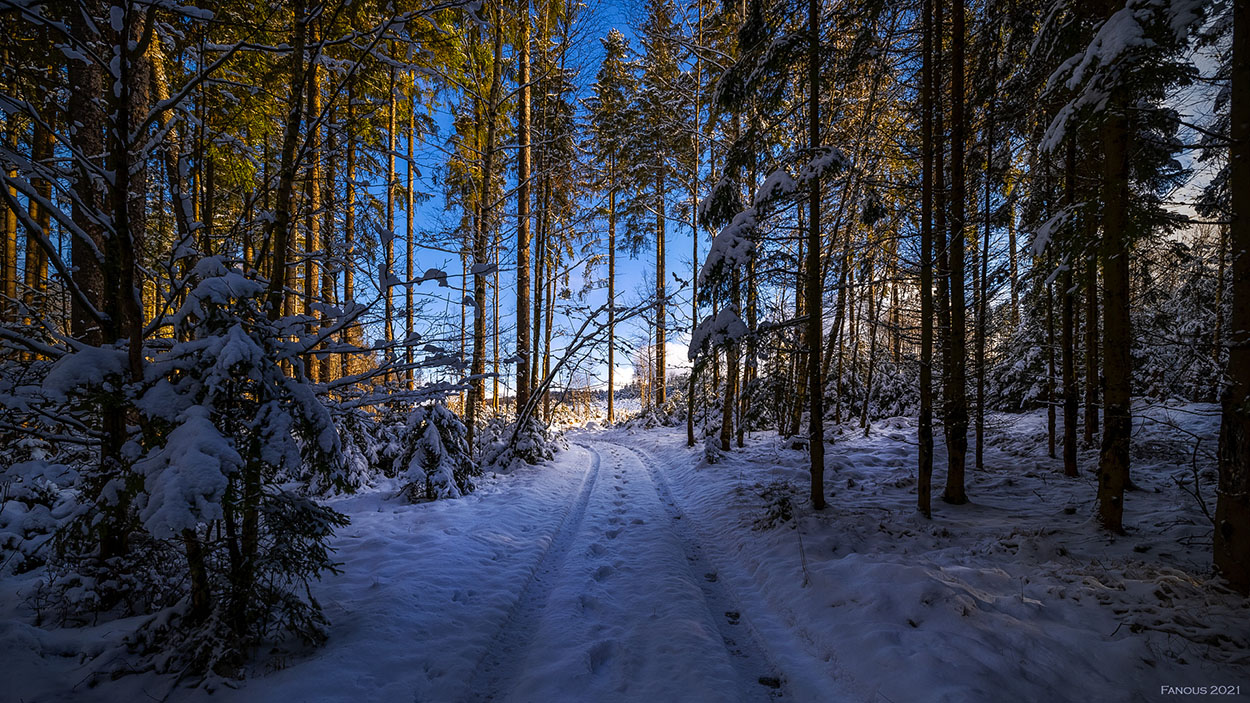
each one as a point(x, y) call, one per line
point(477, 387)
point(612, 292)
point(88, 140)
point(351, 334)
point(494, 323)
point(1068, 327)
point(1113, 469)
point(1050, 370)
point(983, 289)
point(940, 199)
point(661, 336)
point(36, 272)
point(1232, 510)
point(1013, 259)
point(547, 327)
point(800, 333)
point(280, 226)
point(748, 366)
point(814, 291)
point(925, 424)
point(410, 239)
point(388, 237)
point(731, 374)
point(523, 344)
point(329, 195)
point(1217, 341)
point(956, 401)
point(540, 276)
point(312, 219)
point(8, 282)
point(1091, 340)
point(694, 223)
point(873, 312)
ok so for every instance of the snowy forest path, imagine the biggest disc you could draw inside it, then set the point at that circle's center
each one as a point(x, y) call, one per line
point(623, 606)
point(497, 663)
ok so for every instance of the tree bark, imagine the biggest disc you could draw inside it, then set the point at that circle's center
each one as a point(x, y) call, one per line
point(1050, 370)
point(925, 424)
point(612, 293)
point(312, 219)
point(814, 289)
point(280, 226)
point(351, 335)
point(1091, 342)
point(661, 336)
point(1232, 511)
point(731, 375)
point(983, 289)
point(1068, 325)
point(956, 400)
point(410, 239)
point(523, 343)
point(388, 237)
point(8, 287)
point(477, 387)
point(694, 223)
point(1113, 469)
point(88, 140)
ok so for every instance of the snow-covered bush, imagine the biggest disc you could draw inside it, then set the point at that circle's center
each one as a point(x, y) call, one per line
point(535, 442)
point(364, 445)
point(1016, 378)
point(219, 543)
point(435, 462)
point(35, 498)
point(712, 453)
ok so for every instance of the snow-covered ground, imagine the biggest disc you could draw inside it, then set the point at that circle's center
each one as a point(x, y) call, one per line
point(628, 570)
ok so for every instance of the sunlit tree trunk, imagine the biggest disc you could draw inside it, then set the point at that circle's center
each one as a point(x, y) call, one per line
point(410, 240)
point(350, 334)
point(481, 254)
point(312, 217)
point(523, 344)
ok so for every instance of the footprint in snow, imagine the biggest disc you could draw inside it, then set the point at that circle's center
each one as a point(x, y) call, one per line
point(611, 534)
point(603, 572)
point(601, 653)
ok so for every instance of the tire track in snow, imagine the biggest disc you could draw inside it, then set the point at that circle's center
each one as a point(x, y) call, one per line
point(759, 676)
point(495, 668)
point(782, 639)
